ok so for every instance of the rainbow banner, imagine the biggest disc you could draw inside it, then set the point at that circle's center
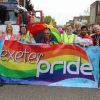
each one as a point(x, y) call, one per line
point(57, 65)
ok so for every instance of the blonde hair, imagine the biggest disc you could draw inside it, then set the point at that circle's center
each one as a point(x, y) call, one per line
point(77, 22)
point(7, 28)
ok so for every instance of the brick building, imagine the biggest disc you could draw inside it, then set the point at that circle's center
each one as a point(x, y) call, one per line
point(83, 19)
point(95, 12)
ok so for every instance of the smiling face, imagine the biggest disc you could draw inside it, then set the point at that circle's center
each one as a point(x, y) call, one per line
point(23, 30)
point(9, 29)
point(77, 26)
point(47, 33)
point(84, 31)
point(69, 29)
point(97, 30)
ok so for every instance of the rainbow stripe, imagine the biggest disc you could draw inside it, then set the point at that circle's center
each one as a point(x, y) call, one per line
point(25, 70)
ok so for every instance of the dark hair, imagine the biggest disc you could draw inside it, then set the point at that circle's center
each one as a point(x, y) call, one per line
point(22, 25)
point(84, 27)
point(47, 29)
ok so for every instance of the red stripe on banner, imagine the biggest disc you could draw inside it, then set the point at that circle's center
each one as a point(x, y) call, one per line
point(47, 49)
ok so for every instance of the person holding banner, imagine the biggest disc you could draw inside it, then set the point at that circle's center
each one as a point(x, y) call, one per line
point(77, 28)
point(24, 35)
point(8, 34)
point(96, 36)
point(47, 38)
point(85, 38)
point(68, 37)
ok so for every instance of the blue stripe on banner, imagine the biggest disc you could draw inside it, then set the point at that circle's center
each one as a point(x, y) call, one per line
point(47, 77)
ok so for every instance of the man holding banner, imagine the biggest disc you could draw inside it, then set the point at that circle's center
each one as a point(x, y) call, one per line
point(69, 37)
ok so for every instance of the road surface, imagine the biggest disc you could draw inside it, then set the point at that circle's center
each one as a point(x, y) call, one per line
point(31, 92)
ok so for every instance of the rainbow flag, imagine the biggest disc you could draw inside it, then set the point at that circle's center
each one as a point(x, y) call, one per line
point(43, 64)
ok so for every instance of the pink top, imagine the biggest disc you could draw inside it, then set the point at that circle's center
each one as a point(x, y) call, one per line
point(7, 37)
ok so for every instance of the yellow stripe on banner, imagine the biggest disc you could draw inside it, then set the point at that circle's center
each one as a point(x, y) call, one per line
point(27, 66)
point(18, 66)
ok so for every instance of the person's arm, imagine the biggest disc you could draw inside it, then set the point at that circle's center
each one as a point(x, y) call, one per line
point(31, 39)
point(79, 41)
point(88, 42)
point(83, 41)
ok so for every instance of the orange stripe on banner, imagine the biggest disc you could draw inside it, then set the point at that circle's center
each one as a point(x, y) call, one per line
point(61, 52)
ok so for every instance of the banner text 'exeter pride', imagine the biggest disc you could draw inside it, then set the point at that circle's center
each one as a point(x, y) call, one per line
point(21, 56)
point(35, 58)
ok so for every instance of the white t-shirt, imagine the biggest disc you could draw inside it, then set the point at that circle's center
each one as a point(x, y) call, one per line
point(7, 37)
point(83, 41)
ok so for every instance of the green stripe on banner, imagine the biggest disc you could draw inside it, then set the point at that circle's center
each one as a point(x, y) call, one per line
point(16, 73)
point(21, 74)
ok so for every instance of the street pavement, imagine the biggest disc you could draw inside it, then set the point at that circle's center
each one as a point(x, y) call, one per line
point(32, 92)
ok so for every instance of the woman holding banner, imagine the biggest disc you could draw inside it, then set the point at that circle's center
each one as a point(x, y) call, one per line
point(8, 34)
point(24, 35)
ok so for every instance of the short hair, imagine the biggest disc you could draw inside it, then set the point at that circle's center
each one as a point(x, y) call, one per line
point(84, 27)
point(77, 22)
point(47, 29)
point(22, 25)
point(96, 26)
point(67, 25)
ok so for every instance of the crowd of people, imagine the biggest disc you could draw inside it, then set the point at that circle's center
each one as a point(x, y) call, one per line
point(81, 35)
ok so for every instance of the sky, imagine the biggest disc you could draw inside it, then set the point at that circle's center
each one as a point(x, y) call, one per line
point(62, 10)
